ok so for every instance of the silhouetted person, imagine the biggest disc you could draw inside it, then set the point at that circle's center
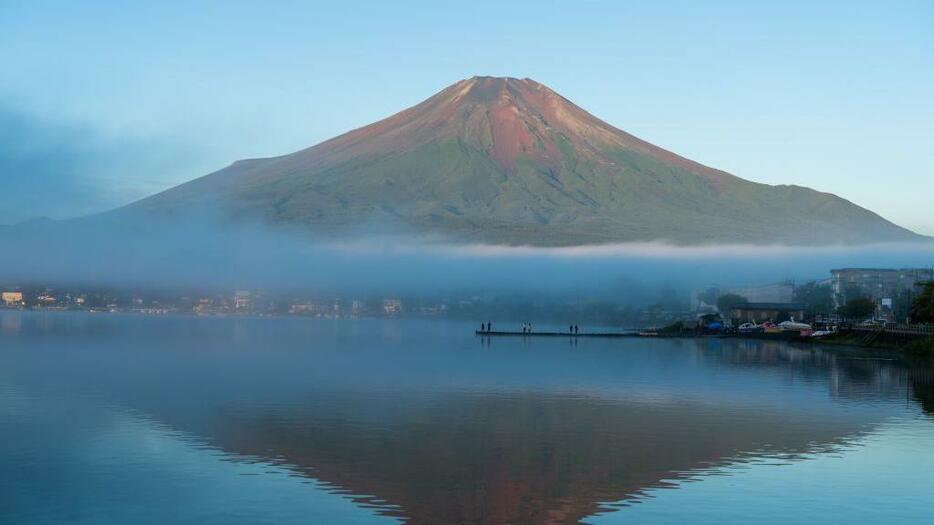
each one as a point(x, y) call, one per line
point(489, 326)
point(571, 329)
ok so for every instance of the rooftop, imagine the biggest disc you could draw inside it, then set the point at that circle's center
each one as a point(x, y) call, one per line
point(770, 306)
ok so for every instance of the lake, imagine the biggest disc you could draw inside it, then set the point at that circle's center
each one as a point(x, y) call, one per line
point(109, 418)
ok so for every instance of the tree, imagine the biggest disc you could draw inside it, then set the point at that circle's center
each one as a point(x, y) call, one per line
point(817, 297)
point(902, 305)
point(708, 296)
point(922, 307)
point(859, 308)
point(726, 302)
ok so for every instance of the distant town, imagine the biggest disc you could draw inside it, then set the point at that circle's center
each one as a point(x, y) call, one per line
point(859, 294)
point(880, 295)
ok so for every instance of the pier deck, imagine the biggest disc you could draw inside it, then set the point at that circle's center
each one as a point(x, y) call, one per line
point(496, 333)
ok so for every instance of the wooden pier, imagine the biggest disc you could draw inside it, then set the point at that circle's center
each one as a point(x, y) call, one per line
point(496, 333)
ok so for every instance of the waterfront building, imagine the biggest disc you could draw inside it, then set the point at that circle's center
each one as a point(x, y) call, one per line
point(242, 301)
point(12, 298)
point(312, 309)
point(887, 288)
point(357, 307)
point(781, 292)
point(705, 301)
point(761, 312)
point(392, 307)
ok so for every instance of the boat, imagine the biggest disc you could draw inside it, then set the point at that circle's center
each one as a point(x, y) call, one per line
point(750, 328)
point(769, 327)
point(794, 326)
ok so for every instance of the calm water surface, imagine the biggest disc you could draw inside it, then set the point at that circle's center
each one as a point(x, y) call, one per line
point(129, 419)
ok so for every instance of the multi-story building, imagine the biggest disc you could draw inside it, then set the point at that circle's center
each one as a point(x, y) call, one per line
point(884, 286)
point(11, 298)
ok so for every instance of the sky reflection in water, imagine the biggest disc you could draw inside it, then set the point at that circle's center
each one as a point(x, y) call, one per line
point(282, 420)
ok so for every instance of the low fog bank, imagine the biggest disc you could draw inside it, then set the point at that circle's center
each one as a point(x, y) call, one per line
point(201, 253)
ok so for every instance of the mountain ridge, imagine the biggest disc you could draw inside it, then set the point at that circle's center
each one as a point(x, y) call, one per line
point(509, 161)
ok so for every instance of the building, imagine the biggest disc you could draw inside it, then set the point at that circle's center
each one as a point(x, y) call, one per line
point(357, 307)
point(392, 307)
point(782, 292)
point(313, 309)
point(12, 298)
point(203, 306)
point(885, 287)
point(242, 301)
point(775, 312)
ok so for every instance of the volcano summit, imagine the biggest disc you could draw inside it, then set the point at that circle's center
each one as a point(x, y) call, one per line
point(509, 161)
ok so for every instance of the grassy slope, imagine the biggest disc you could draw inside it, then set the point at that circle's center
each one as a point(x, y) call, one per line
point(509, 161)
point(453, 187)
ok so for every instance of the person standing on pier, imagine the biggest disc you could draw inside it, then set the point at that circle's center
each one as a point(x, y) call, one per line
point(489, 326)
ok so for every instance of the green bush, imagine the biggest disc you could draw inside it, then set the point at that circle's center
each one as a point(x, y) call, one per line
point(922, 307)
point(725, 303)
point(921, 347)
point(859, 308)
point(674, 328)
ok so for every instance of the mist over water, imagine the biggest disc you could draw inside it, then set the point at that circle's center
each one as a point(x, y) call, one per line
point(206, 252)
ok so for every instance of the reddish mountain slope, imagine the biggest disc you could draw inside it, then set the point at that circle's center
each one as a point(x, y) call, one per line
point(505, 160)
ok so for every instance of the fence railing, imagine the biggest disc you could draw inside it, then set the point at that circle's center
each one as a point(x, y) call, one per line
point(913, 329)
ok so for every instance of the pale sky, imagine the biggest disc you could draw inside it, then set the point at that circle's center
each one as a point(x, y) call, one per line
point(102, 103)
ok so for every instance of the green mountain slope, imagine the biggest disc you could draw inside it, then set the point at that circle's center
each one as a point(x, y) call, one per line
point(503, 160)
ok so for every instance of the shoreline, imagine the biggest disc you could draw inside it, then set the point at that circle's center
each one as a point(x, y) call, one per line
point(920, 346)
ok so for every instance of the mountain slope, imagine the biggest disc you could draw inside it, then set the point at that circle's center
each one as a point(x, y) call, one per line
point(505, 160)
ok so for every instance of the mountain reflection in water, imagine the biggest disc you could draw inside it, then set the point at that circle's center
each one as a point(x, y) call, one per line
point(423, 421)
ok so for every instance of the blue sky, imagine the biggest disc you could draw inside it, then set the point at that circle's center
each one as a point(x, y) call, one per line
point(102, 102)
